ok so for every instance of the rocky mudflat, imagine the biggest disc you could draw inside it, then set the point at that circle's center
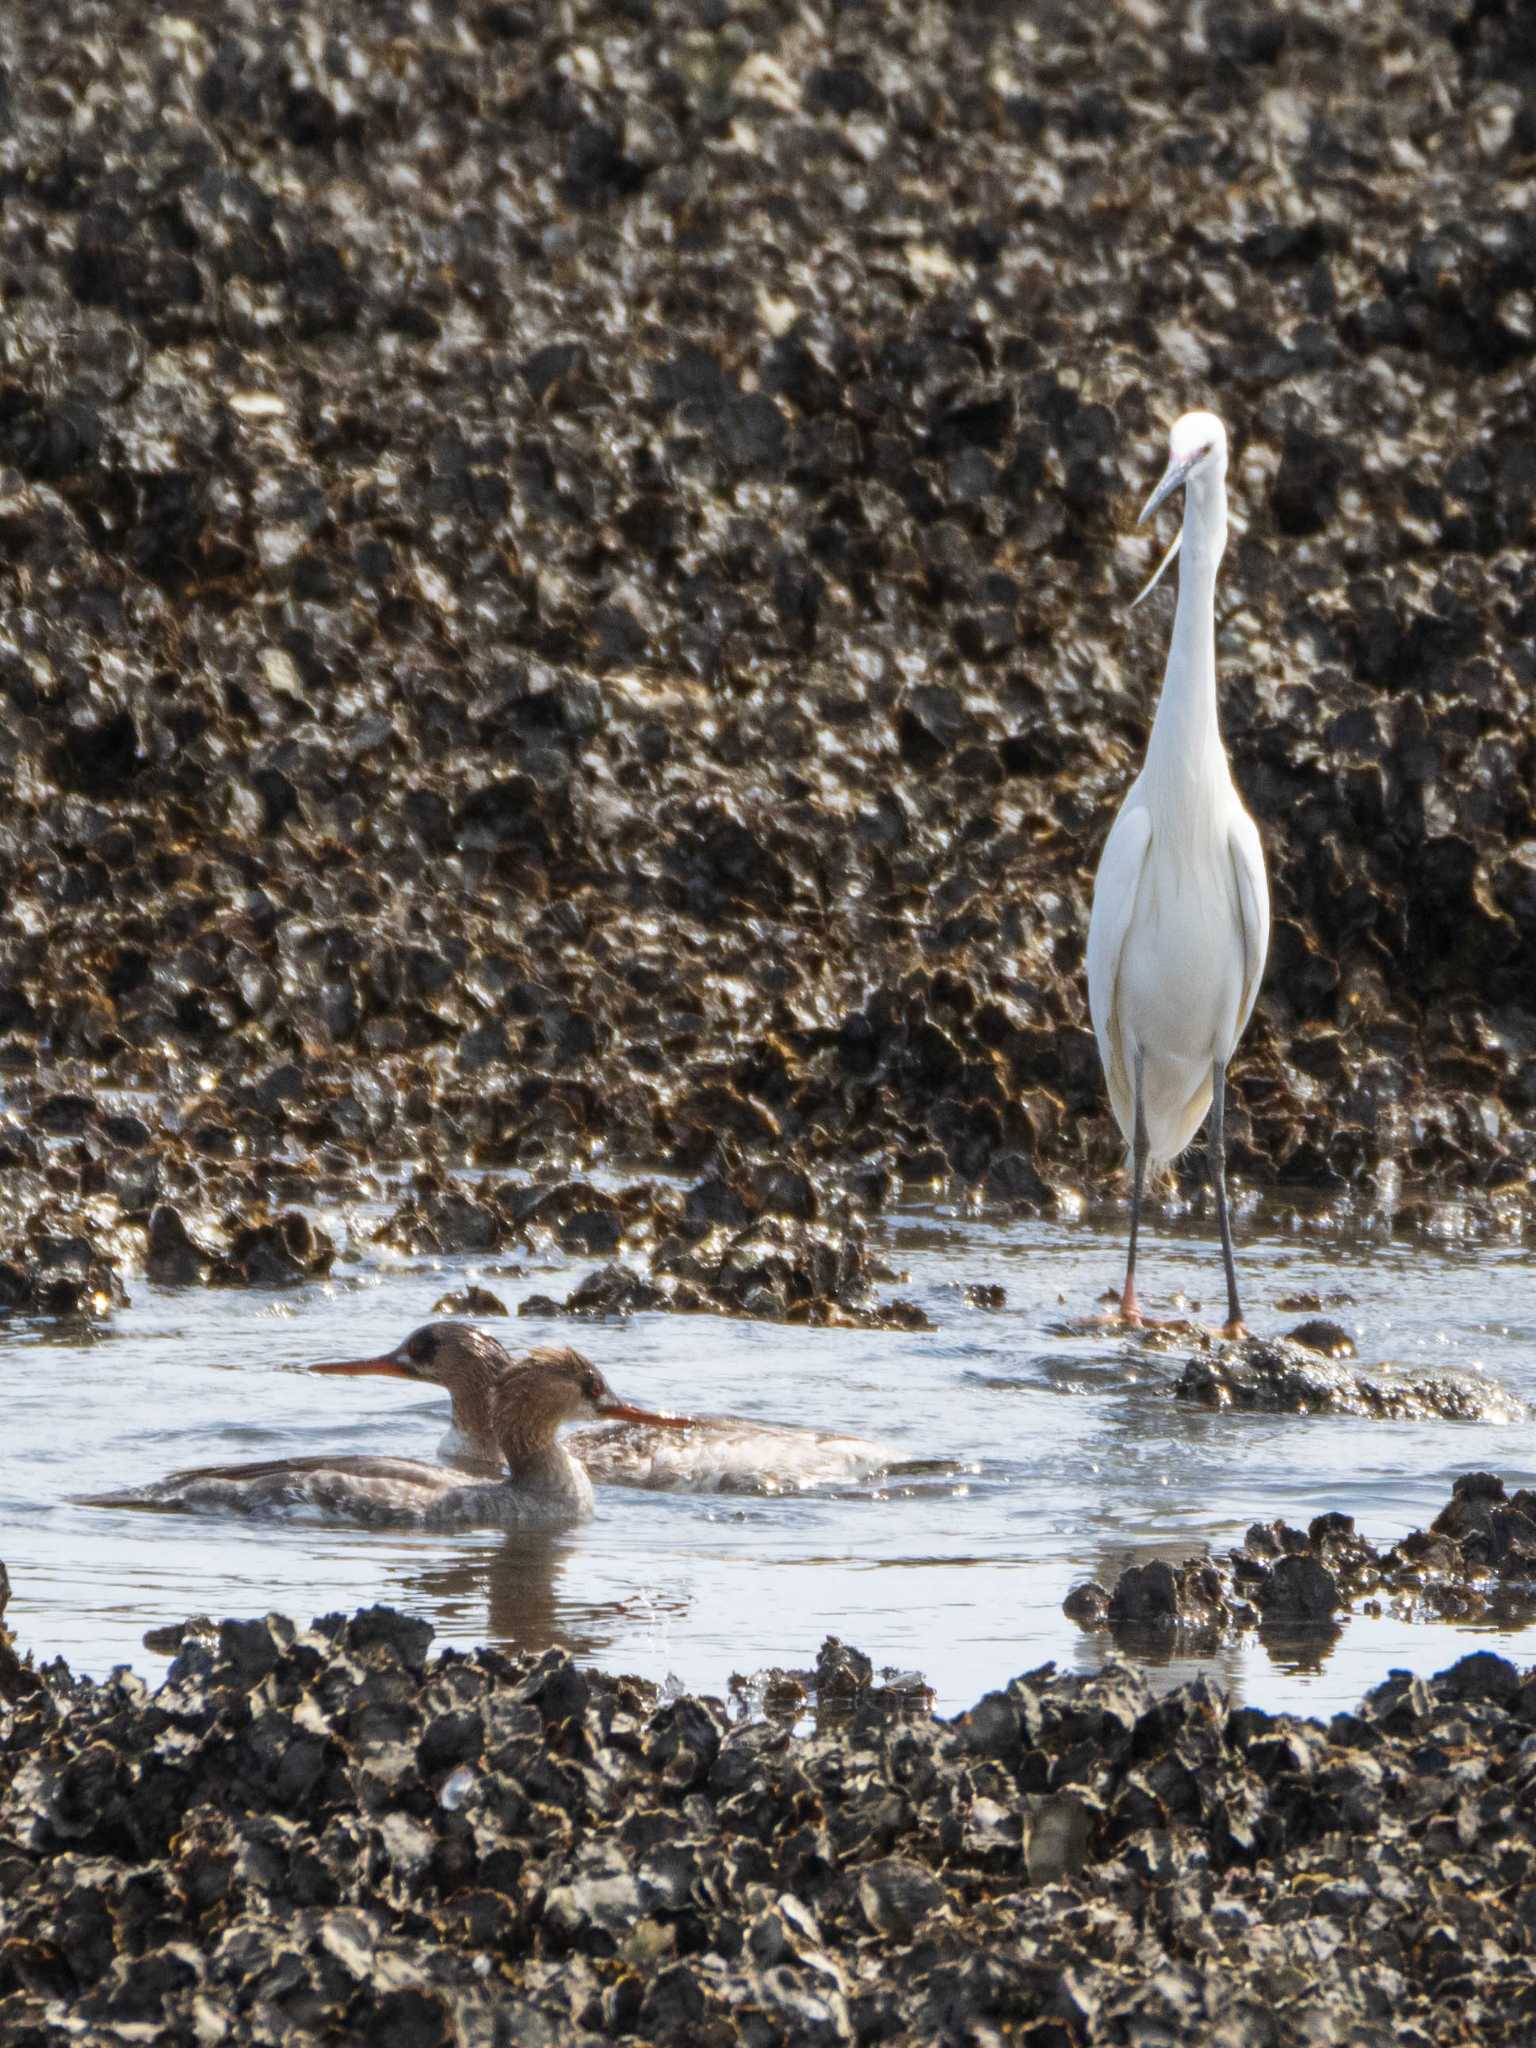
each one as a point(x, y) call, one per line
point(563, 672)
point(563, 587)
point(326, 1833)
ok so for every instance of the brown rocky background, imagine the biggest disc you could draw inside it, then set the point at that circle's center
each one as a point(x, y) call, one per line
point(562, 598)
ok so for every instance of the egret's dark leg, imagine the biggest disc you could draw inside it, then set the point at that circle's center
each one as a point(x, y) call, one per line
point(1129, 1309)
point(1218, 1145)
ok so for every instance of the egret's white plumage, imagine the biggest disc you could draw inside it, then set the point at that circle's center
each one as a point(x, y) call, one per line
point(1180, 924)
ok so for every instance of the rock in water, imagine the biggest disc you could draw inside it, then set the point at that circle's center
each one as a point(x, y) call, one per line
point(1281, 1377)
point(1477, 1560)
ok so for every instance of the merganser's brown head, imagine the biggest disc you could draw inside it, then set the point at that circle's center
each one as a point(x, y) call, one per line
point(455, 1356)
point(475, 1369)
point(554, 1385)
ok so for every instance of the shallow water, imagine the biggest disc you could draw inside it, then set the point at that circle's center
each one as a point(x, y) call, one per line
point(1068, 1460)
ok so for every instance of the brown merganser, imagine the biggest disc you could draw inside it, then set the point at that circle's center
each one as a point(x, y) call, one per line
point(542, 1485)
point(672, 1454)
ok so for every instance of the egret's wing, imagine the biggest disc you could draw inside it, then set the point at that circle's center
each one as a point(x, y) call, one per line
point(1252, 910)
point(1115, 889)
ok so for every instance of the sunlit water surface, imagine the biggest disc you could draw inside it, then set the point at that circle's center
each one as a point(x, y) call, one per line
point(1067, 1459)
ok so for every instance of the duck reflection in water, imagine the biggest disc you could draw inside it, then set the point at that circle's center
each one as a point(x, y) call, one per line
point(513, 1593)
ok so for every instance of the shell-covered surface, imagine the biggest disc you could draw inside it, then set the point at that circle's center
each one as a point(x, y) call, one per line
point(321, 1834)
point(562, 596)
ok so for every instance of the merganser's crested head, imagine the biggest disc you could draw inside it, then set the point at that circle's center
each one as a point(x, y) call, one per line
point(554, 1385)
point(495, 1394)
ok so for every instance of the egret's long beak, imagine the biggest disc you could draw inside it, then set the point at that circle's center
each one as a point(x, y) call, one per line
point(1157, 574)
point(624, 1411)
point(1173, 476)
point(388, 1366)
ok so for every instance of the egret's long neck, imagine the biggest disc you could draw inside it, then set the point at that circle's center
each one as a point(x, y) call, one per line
point(1186, 732)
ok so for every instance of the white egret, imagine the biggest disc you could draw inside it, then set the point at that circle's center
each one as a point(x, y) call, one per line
point(1180, 923)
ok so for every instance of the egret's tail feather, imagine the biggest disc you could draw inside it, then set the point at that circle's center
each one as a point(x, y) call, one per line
point(1176, 1095)
point(1174, 1110)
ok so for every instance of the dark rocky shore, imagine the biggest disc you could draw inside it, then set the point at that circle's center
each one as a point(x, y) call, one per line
point(562, 599)
point(322, 1834)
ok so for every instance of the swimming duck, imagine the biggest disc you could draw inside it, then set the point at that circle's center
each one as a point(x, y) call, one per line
point(540, 1484)
point(671, 1454)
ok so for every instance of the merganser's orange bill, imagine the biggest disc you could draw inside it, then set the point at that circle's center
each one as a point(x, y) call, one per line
point(625, 1411)
point(360, 1365)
